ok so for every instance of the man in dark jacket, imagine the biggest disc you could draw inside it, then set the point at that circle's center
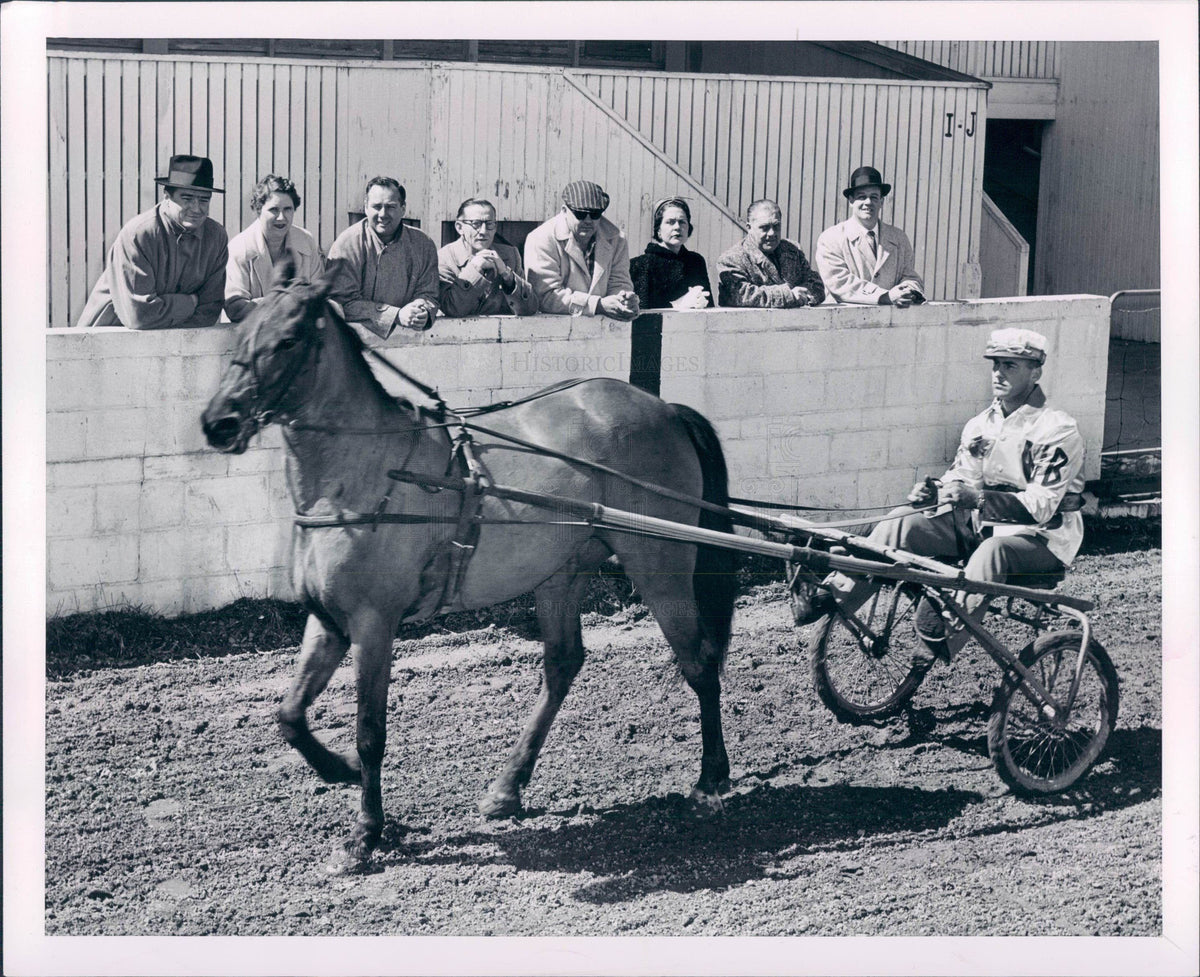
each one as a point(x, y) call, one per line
point(765, 271)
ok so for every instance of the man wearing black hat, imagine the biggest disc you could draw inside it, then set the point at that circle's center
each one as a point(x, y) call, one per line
point(862, 260)
point(578, 262)
point(166, 269)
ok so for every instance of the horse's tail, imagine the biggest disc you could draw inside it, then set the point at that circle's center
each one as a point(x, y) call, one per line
point(714, 581)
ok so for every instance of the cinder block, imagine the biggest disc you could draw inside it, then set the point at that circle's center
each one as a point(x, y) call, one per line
point(104, 472)
point(823, 350)
point(536, 328)
point(828, 491)
point(747, 457)
point(855, 450)
point(769, 488)
point(160, 504)
point(789, 394)
point(848, 389)
point(926, 317)
point(885, 486)
point(931, 345)
point(901, 416)
point(750, 354)
point(917, 446)
point(685, 351)
point(81, 561)
point(828, 421)
point(174, 429)
point(482, 329)
point(218, 590)
point(791, 452)
point(687, 389)
point(260, 459)
point(734, 396)
point(121, 432)
point(163, 596)
point(198, 376)
point(894, 346)
point(438, 366)
point(230, 499)
point(205, 464)
point(966, 343)
point(118, 508)
point(680, 360)
point(256, 547)
point(480, 364)
point(181, 553)
point(66, 436)
point(71, 511)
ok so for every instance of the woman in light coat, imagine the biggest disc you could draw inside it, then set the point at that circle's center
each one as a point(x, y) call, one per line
point(253, 253)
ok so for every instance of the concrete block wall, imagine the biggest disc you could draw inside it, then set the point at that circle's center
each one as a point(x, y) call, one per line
point(847, 407)
point(838, 406)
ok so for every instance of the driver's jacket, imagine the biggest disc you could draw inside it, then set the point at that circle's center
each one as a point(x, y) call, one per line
point(1025, 464)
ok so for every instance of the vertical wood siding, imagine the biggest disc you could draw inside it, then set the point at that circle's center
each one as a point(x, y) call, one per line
point(797, 141)
point(513, 134)
point(1098, 209)
point(987, 59)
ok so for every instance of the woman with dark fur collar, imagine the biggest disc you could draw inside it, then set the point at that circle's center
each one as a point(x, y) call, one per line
point(668, 274)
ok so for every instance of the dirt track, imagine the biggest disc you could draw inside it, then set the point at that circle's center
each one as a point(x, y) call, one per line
point(173, 806)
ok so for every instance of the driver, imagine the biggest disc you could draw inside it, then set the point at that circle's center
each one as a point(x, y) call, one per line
point(1008, 505)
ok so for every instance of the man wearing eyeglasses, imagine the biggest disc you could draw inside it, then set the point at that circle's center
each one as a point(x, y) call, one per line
point(480, 275)
point(578, 262)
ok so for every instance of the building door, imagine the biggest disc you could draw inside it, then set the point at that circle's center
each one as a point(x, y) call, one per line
point(1012, 158)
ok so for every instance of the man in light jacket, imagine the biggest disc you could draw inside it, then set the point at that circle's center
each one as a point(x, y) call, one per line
point(166, 269)
point(578, 262)
point(862, 260)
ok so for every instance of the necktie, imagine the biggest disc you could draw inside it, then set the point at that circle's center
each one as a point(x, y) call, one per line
point(871, 245)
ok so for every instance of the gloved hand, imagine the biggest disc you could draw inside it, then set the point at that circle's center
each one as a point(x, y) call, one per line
point(924, 493)
point(962, 496)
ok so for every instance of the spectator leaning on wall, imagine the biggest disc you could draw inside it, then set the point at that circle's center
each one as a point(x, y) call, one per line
point(480, 275)
point(863, 260)
point(764, 271)
point(166, 269)
point(386, 274)
point(578, 262)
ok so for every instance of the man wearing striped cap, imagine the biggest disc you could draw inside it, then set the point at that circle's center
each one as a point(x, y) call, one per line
point(578, 262)
point(1010, 503)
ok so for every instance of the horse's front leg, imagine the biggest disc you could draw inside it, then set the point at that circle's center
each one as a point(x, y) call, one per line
point(322, 651)
point(372, 646)
point(558, 614)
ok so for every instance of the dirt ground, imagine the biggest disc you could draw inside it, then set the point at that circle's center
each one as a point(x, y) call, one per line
point(174, 807)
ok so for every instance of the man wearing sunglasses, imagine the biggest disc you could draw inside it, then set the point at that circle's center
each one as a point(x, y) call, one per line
point(578, 262)
point(480, 275)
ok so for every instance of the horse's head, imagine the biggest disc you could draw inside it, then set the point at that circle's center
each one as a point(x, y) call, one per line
point(273, 363)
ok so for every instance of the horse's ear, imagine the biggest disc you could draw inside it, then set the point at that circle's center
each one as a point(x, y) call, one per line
point(285, 269)
point(333, 268)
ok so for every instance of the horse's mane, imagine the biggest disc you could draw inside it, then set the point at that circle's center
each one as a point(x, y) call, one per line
point(358, 359)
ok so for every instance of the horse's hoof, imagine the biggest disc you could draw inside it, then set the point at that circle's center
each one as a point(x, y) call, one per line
point(496, 805)
point(703, 806)
point(351, 858)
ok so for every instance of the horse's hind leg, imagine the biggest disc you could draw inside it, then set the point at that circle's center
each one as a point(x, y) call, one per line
point(558, 614)
point(322, 652)
point(663, 574)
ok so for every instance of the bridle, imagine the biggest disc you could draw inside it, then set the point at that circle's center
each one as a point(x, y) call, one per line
point(266, 398)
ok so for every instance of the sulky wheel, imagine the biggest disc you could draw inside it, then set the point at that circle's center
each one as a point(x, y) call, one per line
point(865, 670)
point(1038, 754)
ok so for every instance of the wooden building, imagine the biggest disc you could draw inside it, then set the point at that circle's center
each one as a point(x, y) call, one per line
point(516, 134)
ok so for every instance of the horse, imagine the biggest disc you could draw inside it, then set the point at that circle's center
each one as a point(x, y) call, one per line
point(299, 364)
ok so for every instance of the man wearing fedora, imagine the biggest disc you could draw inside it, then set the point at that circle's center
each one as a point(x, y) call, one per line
point(1009, 505)
point(764, 271)
point(862, 260)
point(166, 269)
point(578, 262)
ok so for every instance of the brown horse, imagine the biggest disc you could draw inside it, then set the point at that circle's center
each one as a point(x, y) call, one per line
point(298, 363)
